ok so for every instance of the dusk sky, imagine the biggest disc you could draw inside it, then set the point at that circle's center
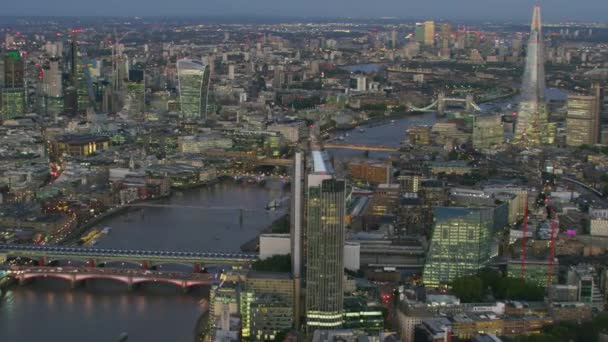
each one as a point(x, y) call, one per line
point(518, 10)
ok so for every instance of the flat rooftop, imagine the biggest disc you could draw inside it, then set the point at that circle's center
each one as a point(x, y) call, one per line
point(320, 162)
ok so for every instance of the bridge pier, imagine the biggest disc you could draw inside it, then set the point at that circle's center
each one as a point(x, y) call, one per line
point(23, 281)
point(73, 284)
point(185, 288)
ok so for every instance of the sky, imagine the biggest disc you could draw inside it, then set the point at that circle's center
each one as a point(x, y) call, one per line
point(515, 10)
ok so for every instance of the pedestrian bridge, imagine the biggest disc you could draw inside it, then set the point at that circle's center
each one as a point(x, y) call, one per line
point(147, 258)
point(130, 277)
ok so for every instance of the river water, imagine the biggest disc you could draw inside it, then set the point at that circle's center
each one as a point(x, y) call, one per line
point(47, 310)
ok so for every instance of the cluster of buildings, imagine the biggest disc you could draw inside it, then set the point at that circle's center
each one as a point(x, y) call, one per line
point(89, 128)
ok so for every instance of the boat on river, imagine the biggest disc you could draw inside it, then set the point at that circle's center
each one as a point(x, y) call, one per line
point(273, 205)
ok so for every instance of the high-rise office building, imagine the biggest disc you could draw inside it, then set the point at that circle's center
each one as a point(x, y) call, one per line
point(296, 212)
point(52, 87)
point(325, 209)
point(79, 88)
point(193, 78)
point(445, 36)
point(582, 120)
point(419, 33)
point(135, 99)
point(13, 70)
point(425, 33)
point(488, 132)
point(531, 128)
point(429, 33)
point(12, 95)
point(460, 244)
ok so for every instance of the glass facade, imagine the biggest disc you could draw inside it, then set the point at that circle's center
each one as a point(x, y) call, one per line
point(193, 78)
point(535, 272)
point(325, 210)
point(135, 101)
point(487, 132)
point(582, 120)
point(460, 244)
point(531, 126)
point(12, 104)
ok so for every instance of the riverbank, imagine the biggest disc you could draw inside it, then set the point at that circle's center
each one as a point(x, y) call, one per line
point(202, 327)
point(277, 227)
point(78, 232)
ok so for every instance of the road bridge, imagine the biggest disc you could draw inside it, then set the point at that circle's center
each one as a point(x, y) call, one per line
point(359, 147)
point(130, 277)
point(180, 206)
point(146, 258)
point(248, 157)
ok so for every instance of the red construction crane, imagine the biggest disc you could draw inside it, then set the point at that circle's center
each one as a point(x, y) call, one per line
point(523, 241)
point(553, 219)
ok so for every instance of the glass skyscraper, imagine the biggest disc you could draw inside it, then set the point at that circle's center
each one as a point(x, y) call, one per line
point(12, 96)
point(193, 78)
point(460, 244)
point(531, 127)
point(325, 208)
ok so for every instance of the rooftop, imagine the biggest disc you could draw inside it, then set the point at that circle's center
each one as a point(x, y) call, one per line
point(268, 275)
point(320, 162)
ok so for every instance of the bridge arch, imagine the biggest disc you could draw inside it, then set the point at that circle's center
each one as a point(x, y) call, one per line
point(28, 276)
point(85, 277)
point(108, 263)
point(176, 282)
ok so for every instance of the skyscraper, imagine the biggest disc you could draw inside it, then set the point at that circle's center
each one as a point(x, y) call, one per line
point(296, 232)
point(193, 78)
point(135, 99)
point(531, 127)
point(460, 244)
point(446, 34)
point(582, 120)
point(13, 70)
point(12, 95)
point(425, 32)
point(52, 88)
point(488, 132)
point(325, 208)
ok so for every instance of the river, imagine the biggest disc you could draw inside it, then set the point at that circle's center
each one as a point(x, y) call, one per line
point(47, 310)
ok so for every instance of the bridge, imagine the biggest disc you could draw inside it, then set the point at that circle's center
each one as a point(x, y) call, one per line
point(198, 207)
point(249, 157)
point(440, 105)
point(359, 147)
point(579, 183)
point(130, 277)
point(146, 259)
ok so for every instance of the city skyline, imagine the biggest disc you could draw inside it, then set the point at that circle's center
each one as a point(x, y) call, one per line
point(516, 11)
point(244, 171)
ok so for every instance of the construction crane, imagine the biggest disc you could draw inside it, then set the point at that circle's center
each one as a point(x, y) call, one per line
point(524, 242)
point(553, 218)
point(115, 56)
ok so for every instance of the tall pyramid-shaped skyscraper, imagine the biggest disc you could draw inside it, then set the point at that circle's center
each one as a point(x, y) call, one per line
point(531, 127)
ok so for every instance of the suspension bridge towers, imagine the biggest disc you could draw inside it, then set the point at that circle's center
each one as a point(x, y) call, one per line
point(441, 104)
point(469, 104)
